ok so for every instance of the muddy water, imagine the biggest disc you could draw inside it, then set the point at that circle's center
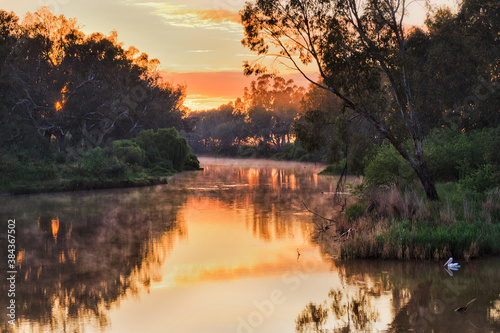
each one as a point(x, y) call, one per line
point(226, 249)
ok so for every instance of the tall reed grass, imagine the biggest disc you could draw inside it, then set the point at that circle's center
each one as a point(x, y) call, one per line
point(402, 224)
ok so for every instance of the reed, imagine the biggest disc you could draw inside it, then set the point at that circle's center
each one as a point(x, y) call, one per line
point(404, 225)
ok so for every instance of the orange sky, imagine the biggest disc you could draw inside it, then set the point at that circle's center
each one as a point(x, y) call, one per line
point(211, 89)
point(198, 42)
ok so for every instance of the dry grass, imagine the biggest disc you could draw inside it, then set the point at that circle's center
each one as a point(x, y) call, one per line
point(394, 204)
point(446, 214)
point(490, 207)
point(405, 226)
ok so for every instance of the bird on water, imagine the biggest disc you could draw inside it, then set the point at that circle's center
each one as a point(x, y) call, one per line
point(451, 264)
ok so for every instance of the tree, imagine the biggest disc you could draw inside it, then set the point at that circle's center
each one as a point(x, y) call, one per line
point(454, 67)
point(340, 138)
point(273, 104)
point(359, 50)
point(59, 85)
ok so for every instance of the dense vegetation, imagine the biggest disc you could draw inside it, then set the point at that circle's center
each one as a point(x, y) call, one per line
point(401, 83)
point(144, 160)
point(74, 109)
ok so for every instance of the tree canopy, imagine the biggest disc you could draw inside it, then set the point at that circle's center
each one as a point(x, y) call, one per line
point(59, 85)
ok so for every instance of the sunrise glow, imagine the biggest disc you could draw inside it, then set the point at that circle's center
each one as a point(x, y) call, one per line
point(197, 42)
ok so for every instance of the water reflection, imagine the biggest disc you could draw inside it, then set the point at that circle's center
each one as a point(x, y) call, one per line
point(80, 253)
point(207, 252)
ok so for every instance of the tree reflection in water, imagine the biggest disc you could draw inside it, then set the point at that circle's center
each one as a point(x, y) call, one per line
point(349, 313)
point(79, 253)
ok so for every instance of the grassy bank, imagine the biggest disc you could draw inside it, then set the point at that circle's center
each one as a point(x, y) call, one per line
point(389, 223)
point(145, 160)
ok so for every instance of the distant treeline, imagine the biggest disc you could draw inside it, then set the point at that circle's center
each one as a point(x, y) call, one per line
point(258, 125)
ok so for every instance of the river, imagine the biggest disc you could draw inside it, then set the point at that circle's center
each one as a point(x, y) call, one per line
point(230, 249)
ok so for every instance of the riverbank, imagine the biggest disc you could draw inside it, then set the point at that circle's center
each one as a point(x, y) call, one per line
point(393, 224)
point(64, 185)
point(143, 161)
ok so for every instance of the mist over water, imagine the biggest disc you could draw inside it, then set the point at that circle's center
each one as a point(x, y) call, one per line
point(226, 249)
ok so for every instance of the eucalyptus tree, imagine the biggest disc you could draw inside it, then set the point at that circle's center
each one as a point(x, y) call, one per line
point(60, 85)
point(358, 48)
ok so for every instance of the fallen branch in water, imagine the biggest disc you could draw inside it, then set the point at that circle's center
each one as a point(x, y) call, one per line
point(310, 211)
point(320, 227)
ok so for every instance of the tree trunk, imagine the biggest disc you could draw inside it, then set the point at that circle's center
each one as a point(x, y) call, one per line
point(425, 178)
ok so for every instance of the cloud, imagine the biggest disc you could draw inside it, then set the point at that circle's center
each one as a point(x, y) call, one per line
point(222, 15)
point(184, 16)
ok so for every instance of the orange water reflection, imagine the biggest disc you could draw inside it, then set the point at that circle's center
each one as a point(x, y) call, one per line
point(227, 242)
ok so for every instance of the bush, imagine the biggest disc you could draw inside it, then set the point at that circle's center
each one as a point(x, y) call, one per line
point(354, 211)
point(453, 155)
point(389, 168)
point(481, 180)
point(101, 163)
point(166, 146)
point(247, 151)
point(128, 152)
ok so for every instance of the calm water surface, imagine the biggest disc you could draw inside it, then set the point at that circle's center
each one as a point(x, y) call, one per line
point(217, 251)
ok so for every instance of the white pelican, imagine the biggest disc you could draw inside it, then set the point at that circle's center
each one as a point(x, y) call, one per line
point(452, 265)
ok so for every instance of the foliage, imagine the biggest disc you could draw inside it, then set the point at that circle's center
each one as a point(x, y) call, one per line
point(132, 162)
point(354, 211)
point(164, 148)
point(456, 62)
point(60, 86)
point(359, 49)
point(293, 152)
point(128, 151)
point(263, 119)
point(468, 157)
point(453, 155)
point(388, 168)
point(325, 127)
point(481, 180)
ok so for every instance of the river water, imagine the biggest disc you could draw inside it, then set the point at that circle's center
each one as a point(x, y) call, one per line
point(230, 249)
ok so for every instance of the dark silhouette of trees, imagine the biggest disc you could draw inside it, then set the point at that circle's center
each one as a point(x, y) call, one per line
point(454, 67)
point(263, 118)
point(61, 86)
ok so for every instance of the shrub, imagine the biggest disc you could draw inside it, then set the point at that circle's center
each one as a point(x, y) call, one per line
point(453, 154)
point(163, 146)
point(389, 168)
point(354, 211)
point(247, 151)
point(101, 163)
point(481, 180)
point(128, 152)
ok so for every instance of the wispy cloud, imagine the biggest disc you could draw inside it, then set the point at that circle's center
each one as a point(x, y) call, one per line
point(200, 51)
point(184, 16)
